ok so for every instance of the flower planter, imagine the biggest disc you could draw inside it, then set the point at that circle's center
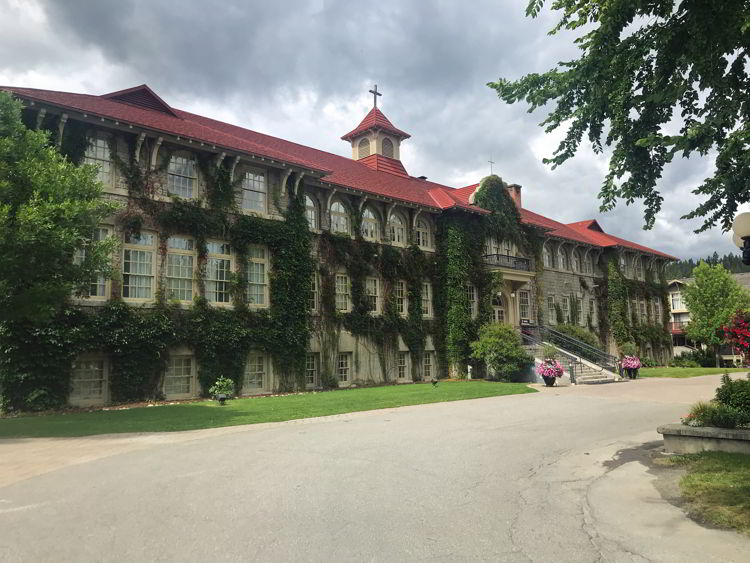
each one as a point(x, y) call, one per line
point(682, 439)
point(632, 372)
point(549, 380)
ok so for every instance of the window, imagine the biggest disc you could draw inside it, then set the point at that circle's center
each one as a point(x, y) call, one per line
point(255, 372)
point(426, 299)
point(524, 305)
point(363, 149)
point(471, 299)
point(218, 271)
point(400, 292)
point(339, 218)
point(371, 291)
point(343, 292)
point(311, 369)
point(178, 379)
point(676, 301)
point(311, 212)
point(592, 310)
point(491, 246)
point(397, 230)
point(623, 264)
point(551, 311)
point(579, 309)
point(387, 147)
point(402, 364)
point(547, 258)
point(138, 266)
point(657, 312)
point(343, 366)
point(427, 366)
point(181, 177)
point(256, 270)
point(640, 269)
point(498, 309)
point(566, 308)
point(88, 381)
point(642, 305)
point(99, 287)
point(563, 260)
point(312, 303)
point(590, 264)
point(508, 249)
point(97, 153)
point(180, 260)
point(576, 261)
point(424, 234)
point(253, 190)
point(370, 225)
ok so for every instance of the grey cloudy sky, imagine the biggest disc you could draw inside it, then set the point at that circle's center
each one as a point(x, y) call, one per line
point(300, 70)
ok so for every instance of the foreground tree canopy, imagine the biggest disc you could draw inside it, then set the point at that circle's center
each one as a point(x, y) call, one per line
point(49, 209)
point(645, 66)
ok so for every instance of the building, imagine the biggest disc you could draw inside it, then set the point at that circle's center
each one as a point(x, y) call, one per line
point(403, 270)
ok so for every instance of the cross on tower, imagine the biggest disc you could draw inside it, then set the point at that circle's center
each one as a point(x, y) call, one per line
point(491, 163)
point(375, 95)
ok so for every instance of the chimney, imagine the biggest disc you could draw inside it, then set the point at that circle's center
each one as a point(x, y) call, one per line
point(515, 192)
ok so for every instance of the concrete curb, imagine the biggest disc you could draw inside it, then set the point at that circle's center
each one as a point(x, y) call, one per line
point(682, 439)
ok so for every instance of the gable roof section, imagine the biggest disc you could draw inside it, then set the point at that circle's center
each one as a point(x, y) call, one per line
point(375, 119)
point(141, 96)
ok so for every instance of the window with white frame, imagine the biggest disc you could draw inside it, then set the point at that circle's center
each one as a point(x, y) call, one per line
point(657, 311)
point(547, 258)
point(256, 271)
point(343, 367)
point(397, 230)
point(524, 305)
point(590, 264)
point(255, 372)
point(676, 301)
point(89, 380)
point(579, 309)
point(372, 287)
point(370, 225)
point(98, 154)
point(180, 263)
point(428, 366)
point(138, 266)
point(179, 379)
point(339, 219)
point(312, 303)
point(563, 260)
point(311, 212)
point(576, 261)
point(399, 291)
point(498, 309)
point(623, 264)
point(181, 177)
point(343, 292)
point(99, 288)
point(551, 311)
point(424, 234)
point(471, 299)
point(508, 248)
point(218, 272)
point(402, 365)
point(491, 246)
point(312, 361)
point(592, 310)
point(566, 308)
point(642, 305)
point(426, 299)
point(640, 269)
point(254, 190)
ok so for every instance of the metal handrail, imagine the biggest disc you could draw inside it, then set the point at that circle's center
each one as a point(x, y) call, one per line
point(572, 362)
point(594, 355)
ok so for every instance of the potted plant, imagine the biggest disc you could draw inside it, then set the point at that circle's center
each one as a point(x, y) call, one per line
point(222, 389)
point(550, 369)
point(630, 362)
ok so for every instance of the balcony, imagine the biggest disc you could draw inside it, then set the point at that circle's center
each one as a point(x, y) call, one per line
point(677, 327)
point(507, 261)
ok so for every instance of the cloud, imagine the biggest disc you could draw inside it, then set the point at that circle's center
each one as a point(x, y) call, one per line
point(301, 70)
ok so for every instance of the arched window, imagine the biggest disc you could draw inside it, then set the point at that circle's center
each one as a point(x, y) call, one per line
point(311, 212)
point(562, 258)
point(590, 264)
point(576, 261)
point(547, 258)
point(424, 234)
point(387, 147)
point(339, 219)
point(498, 309)
point(397, 230)
point(370, 225)
point(364, 148)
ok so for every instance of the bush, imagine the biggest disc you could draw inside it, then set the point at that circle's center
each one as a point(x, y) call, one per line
point(580, 333)
point(222, 386)
point(549, 352)
point(694, 359)
point(734, 393)
point(629, 349)
point(649, 363)
point(499, 345)
point(715, 414)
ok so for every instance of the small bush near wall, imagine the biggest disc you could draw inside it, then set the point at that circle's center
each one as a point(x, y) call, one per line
point(499, 345)
point(734, 393)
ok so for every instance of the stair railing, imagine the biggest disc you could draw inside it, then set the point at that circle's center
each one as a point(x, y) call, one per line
point(571, 363)
point(579, 348)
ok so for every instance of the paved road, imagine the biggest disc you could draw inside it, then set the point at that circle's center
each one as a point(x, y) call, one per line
point(553, 476)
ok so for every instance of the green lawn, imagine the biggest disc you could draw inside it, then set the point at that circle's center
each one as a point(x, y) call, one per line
point(685, 372)
point(208, 414)
point(717, 488)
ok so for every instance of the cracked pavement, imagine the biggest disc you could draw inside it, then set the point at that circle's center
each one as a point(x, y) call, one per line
point(554, 476)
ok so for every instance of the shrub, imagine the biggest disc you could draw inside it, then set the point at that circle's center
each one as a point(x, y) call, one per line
point(499, 345)
point(734, 393)
point(649, 363)
point(715, 414)
point(629, 349)
point(222, 386)
point(549, 352)
point(694, 359)
point(579, 333)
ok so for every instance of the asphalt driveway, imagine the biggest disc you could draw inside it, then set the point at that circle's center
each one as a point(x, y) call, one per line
point(553, 476)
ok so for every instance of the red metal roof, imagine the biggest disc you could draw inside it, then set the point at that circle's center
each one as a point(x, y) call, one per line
point(375, 119)
point(385, 164)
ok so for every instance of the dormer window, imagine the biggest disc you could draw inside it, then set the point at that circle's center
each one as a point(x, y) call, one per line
point(423, 234)
point(363, 148)
point(339, 219)
point(387, 147)
point(397, 230)
point(311, 212)
point(254, 191)
point(370, 225)
point(181, 177)
point(97, 153)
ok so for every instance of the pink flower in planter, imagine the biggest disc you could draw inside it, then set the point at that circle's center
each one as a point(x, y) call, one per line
point(550, 369)
point(631, 362)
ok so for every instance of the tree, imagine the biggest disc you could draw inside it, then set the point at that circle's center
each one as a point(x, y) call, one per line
point(499, 345)
point(644, 65)
point(49, 209)
point(713, 299)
